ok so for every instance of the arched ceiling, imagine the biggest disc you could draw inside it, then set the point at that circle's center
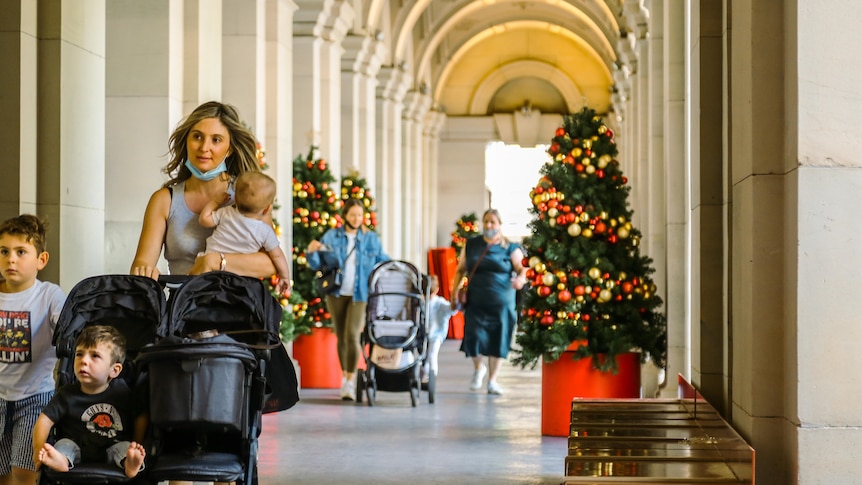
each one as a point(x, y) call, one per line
point(481, 57)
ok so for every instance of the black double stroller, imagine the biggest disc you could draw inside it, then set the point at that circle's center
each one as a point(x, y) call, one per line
point(203, 359)
point(395, 338)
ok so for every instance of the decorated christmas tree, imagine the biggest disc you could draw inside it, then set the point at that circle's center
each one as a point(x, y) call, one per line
point(353, 186)
point(589, 282)
point(316, 209)
point(465, 227)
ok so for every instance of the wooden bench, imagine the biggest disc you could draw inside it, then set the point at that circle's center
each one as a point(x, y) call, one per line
point(637, 441)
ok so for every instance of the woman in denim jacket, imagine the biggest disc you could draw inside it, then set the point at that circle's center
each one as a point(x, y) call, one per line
point(358, 251)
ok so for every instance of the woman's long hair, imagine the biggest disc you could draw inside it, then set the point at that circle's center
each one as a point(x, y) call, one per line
point(243, 144)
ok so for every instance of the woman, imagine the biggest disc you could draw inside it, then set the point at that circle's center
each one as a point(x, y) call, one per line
point(358, 251)
point(493, 267)
point(208, 150)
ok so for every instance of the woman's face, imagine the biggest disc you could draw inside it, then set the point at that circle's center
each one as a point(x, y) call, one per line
point(354, 216)
point(491, 225)
point(208, 144)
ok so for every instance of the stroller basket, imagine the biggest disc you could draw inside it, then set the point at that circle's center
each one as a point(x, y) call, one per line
point(212, 376)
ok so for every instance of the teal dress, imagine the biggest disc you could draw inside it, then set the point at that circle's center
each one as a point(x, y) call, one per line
point(489, 315)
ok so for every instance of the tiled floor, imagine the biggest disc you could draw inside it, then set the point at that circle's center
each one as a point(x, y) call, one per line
point(464, 438)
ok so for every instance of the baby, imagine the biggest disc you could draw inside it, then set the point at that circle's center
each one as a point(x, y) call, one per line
point(245, 227)
point(439, 313)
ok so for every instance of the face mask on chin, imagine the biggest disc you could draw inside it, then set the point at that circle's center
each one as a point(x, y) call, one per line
point(208, 175)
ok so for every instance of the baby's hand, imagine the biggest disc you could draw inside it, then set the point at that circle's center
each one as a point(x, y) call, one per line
point(283, 285)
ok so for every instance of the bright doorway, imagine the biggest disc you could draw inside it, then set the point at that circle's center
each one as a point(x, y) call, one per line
point(511, 171)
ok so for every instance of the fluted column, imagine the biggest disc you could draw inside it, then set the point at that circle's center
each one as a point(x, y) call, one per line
point(434, 121)
point(202, 49)
point(71, 129)
point(18, 83)
point(417, 106)
point(393, 84)
point(360, 64)
point(144, 46)
point(243, 66)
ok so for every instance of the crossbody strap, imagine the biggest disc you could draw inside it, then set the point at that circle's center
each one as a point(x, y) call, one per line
point(475, 266)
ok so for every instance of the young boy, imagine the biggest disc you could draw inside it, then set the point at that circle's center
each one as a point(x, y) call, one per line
point(439, 313)
point(98, 416)
point(246, 227)
point(28, 315)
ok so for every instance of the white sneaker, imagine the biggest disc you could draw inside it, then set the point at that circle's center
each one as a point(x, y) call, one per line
point(478, 378)
point(348, 390)
point(494, 388)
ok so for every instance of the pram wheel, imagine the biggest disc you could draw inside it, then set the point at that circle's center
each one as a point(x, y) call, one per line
point(360, 385)
point(432, 386)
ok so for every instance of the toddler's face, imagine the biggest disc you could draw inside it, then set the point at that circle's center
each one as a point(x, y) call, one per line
point(94, 367)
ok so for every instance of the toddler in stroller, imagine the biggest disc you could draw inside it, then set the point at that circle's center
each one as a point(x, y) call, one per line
point(132, 306)
point(107, 403)
point(395, 333)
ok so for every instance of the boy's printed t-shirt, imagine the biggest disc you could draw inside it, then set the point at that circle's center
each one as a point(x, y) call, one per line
point(27, 356)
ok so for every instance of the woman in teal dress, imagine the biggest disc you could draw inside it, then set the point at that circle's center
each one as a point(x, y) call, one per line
point(493, 267)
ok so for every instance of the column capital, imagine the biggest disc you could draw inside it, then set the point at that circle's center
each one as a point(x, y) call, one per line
point(393, 83)
point(628, 55)
point(434, 121)
point(330, 20)
point(363, 54)
point(637, 17)
point(416, 106)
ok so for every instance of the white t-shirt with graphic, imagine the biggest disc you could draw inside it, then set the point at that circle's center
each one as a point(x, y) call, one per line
point(27, 356)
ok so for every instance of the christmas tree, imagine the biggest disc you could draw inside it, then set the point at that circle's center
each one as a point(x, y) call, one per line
point(465, 227)
point(352, 185)
point(589, 282)
point(315, 210)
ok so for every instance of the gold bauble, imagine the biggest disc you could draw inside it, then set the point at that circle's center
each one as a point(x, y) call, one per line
point(623, 233)
point(574, 229)
point(576, 152)
point(552, 222)
point(587, 232)
point(302, 194)
point(588, 143)
point(548, 279)
point(541, 268)
point(586, 162)
point(605, 296)
point(534, 261)
point(561, 315)
point(590, 169)
point(561, 286)
point(603, 215)
point(622, 276)
point(552, 212)
point(584, 217)
point(594, 273)
point(602, 129)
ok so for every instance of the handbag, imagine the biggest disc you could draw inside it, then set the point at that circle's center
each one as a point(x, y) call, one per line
point(461, 292)
point(327, 280)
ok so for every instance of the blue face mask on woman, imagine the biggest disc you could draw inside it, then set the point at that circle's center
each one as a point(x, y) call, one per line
point(208, 175)
point(491, 233)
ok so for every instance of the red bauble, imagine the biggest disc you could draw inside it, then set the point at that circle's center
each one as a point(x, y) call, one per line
point(547, 320)
point(627, 287)
point(544, 291)
point(580, 290)
point(564, 296)
point(560, 131)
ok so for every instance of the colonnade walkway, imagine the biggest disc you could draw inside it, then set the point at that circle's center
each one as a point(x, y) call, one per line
point(465, 437)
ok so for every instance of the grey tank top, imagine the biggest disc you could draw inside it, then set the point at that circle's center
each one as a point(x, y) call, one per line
point(185, 237)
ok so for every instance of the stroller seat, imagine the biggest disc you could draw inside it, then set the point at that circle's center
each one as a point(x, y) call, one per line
point(135, 306)
point(208, 379)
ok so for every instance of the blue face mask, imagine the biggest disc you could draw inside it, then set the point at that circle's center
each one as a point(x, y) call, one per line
point(491, 233)
point(209, 175)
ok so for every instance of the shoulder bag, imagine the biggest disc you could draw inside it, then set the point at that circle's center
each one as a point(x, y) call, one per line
point(328, 280)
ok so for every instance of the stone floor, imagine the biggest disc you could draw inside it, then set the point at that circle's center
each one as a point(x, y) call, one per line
point(464, 438)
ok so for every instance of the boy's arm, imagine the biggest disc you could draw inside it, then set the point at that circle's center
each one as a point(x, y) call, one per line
point(281, 266)
point(40, 436)
point(206, 217)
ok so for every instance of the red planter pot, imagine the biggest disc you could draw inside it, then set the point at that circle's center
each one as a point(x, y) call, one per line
point(567, 379)
point(317, 356)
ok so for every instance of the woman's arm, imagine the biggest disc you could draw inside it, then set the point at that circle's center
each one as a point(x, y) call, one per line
point(258, 265)
point(521, 278)
point(460, 272)
point(152, 236)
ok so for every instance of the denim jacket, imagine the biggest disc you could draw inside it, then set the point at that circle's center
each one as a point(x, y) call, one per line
point(369, 253)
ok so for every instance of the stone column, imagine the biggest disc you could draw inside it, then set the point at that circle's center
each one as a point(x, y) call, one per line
point(71, 136)
point(143, 102)
point(243, 66)
point(363, 56)
point(18, 83)
point(675, 257)
point(202, 63)
point(434, 121)
point(417, 106)
point(393, 83)
point(279, 105)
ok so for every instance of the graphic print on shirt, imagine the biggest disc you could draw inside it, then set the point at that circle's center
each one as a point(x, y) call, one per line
point(15, 337)
point(103, 420)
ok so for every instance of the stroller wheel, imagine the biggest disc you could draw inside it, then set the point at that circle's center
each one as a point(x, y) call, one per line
point(360, 385)
point(432, 386)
